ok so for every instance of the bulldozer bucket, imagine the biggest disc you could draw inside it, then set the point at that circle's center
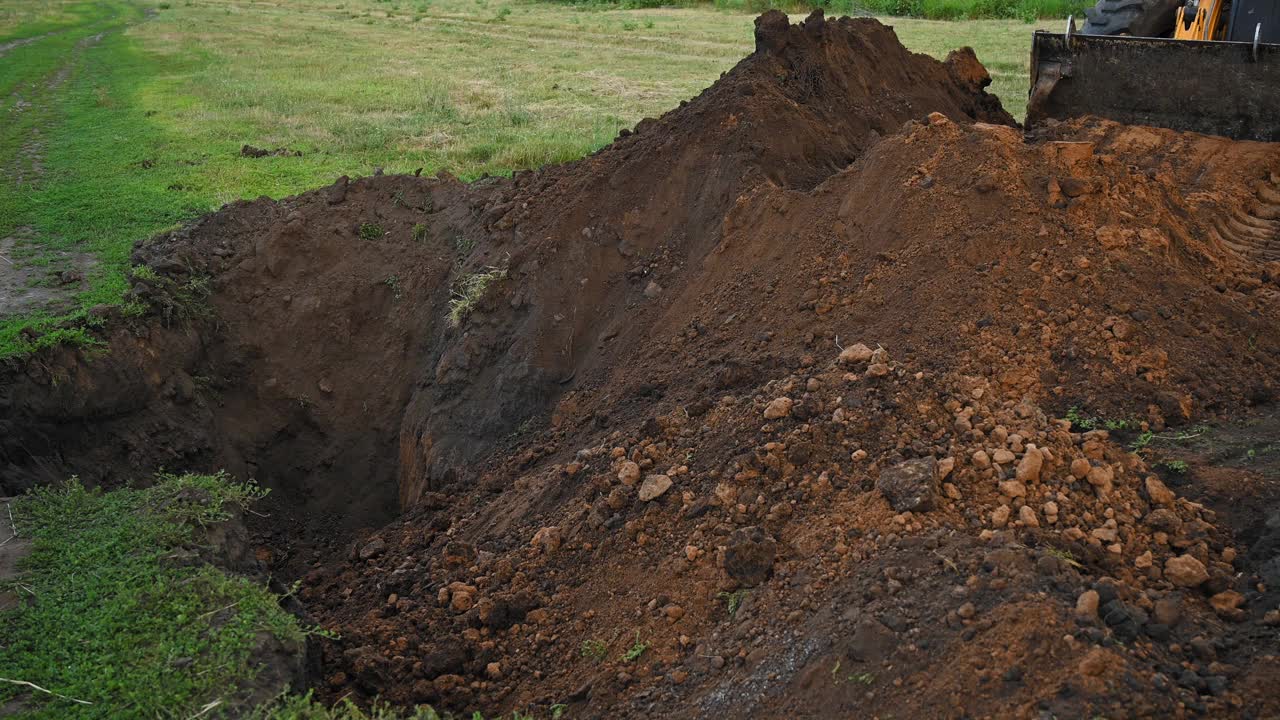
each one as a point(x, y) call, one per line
point(1217, 88)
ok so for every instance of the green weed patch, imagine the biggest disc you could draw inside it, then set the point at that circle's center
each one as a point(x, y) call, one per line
point(120, 616)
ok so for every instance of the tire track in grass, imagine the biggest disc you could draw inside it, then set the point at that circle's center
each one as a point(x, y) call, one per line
point(34, 277)
point(25, 167)
point(5, 47)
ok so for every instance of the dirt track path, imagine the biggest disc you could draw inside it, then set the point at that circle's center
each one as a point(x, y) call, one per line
point(32, 278)
point(13, 44)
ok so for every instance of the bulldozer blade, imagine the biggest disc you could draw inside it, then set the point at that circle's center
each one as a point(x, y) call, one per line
point(1217, 88)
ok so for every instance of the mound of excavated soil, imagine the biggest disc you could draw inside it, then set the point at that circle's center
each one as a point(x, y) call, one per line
point(754, 412)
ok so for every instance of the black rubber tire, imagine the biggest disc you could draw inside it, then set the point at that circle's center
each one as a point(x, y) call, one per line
point(1144, 18)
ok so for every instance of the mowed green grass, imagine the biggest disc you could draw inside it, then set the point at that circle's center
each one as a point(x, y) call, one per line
point(146, 131)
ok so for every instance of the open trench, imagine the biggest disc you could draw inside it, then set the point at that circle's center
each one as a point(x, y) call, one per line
point(421, 345)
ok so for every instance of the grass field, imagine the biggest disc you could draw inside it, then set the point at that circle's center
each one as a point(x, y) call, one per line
point(128, 122)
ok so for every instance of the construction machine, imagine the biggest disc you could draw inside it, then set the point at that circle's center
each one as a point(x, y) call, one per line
point(1208, 66)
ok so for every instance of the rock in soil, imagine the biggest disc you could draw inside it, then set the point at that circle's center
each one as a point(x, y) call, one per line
point(911, 485)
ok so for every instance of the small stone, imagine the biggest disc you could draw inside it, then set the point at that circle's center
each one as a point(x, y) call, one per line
point(653, 487)
point(1164, 520)
point(1027, 516)
point(911, 485)
point(981, 460)
point(1227, 605)
point(858, 353)
point(628, 473)
point(493, 671)
point(673, 612)
point(548, 539)
point(1000, 516)
point(1087, 607)
point(1101, 477)
point(1074, 187)
point(373, 548)
point(1080, 468)
point(462, 601)
point(858, 455)
point(618, 497)
point(877, 370)
point(1013, 489)
point(778, 408)
point(652, 290)
point(1002, 457)
point(1105, 534)
point(966, 611)
point(951, 491)
point(1143, 561)
point(945, 466)
point(1029, 468)
point(1159, 493)
point(1185, 571)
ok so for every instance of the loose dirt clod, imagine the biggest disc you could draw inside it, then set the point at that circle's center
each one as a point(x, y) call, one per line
point(250, 151)
point(832, 186)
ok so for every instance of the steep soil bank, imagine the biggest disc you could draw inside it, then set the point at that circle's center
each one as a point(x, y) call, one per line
point(754, 408)
point(266, 353)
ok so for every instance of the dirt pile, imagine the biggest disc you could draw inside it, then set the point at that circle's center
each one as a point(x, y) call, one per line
point(868, 374)
point(754, 408)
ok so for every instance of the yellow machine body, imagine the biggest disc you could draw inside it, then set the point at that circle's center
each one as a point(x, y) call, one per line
point(1206, 24)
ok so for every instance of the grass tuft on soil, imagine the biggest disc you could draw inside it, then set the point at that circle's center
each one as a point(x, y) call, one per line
point(119, 609)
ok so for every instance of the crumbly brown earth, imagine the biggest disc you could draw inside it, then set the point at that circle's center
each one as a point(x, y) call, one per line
point(757, 413)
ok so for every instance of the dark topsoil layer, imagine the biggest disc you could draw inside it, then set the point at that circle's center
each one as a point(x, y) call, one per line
point(678, 301)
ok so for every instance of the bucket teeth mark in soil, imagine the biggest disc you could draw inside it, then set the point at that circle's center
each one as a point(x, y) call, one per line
point(1253, 230)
